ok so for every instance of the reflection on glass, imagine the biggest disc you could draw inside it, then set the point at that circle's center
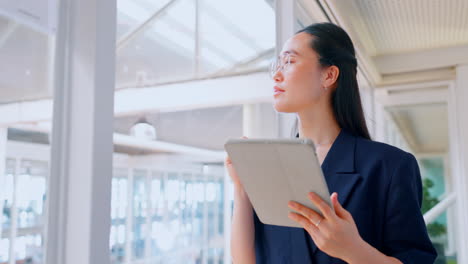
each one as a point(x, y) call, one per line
point(180, 215)
point(157, 209)
point(131, 13)
point(119, 203)
point(163, 51)
point(30, 200)
point(140, 206)
point(231, 39)
point(444, 241)
point(7, 198)
point(8, 201)
point(4, 249)
point(31, 193)
point(28, 249)
point(432, 170)
point(25, 199)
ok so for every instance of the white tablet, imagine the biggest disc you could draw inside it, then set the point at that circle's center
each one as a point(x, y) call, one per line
point(276, 171)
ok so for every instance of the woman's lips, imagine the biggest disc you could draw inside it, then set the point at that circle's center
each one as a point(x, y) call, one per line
point(278, 91)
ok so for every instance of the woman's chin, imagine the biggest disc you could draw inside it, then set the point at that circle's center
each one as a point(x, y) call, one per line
point(283, 107)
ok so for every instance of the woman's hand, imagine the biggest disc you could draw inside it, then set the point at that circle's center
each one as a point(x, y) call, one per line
point(232, 172)
point(335, 233)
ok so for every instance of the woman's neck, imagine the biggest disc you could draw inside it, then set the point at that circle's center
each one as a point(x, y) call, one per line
point(318, 125)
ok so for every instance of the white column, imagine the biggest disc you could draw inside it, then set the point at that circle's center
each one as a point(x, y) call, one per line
point(3, 144)
point(259, 121)
point(451, 212)
point(285, 28)
point(459, 150)
point(81, 156)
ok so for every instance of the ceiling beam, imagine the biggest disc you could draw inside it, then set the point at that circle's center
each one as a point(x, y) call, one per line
point(444, 74)
point(252, 88)
point(422, 60)
point(6, 34)
point(143, 25)
point(123, 140)
point(242, 64)
point(231, 27)
point(411, 96)
point(415, 86)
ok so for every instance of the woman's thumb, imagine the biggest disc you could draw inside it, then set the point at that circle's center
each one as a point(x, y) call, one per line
point(339, 210)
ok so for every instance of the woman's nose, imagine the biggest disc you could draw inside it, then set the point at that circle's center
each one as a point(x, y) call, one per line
point(278, 76)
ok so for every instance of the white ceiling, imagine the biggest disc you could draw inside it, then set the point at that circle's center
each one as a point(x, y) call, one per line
point(409, 41)
point(425, 126)
point(400, 26)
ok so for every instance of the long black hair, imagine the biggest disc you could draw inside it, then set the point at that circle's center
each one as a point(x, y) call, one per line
point(334, 47)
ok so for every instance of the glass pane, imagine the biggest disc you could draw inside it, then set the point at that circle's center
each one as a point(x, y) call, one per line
point(119, 204)
point(4, 249)
point(140, 206)
point(28, 249)
point(31, 184)
point(229, 39)
point(233, 38)
point(157, 209)
point(162, 52)
point(24, 71)
point(443, 235)
point(176, 204)
point(132, 13)
point(26, 79)
point(7, 199)
point(433, 171)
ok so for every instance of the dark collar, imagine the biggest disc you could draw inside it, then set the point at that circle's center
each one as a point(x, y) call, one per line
point(340, 157)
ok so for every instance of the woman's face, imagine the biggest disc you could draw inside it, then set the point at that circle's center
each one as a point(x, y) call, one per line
point(299, 85)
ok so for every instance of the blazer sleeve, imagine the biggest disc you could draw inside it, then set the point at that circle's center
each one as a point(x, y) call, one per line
point(405, 233)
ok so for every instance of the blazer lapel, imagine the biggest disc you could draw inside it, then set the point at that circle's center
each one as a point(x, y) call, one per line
point(339, 171)
point(343, 184)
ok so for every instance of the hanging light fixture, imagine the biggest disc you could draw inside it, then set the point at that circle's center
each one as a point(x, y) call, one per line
point(142, 129)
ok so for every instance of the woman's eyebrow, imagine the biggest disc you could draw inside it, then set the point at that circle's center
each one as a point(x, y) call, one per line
point(289, 52)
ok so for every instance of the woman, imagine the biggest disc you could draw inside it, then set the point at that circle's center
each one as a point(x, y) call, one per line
point(376, 188)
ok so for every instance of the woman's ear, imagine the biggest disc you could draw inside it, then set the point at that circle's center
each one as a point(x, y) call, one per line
point(330, 77)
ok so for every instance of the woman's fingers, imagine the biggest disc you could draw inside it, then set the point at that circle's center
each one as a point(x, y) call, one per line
point(232, 172)
point(303, 221)
point(308, 213)
point(313, 231)
point(324, 208)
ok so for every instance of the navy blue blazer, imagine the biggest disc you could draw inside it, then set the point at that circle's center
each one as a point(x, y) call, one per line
point(380, 186)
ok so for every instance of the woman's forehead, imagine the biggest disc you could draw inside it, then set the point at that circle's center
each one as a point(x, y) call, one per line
point(298, 44)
